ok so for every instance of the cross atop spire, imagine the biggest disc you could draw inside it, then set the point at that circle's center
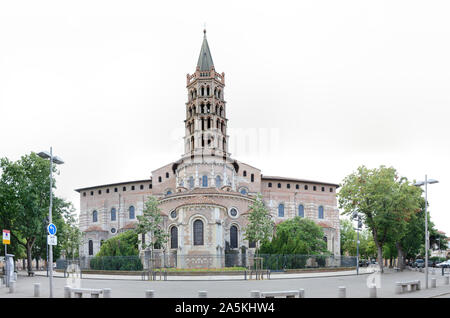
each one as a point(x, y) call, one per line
point(205, 61)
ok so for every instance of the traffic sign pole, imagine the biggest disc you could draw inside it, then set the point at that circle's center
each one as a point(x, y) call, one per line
point(50, 254)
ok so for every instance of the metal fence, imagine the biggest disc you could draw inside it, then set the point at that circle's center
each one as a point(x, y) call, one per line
point(276, 262)
point(273, 262)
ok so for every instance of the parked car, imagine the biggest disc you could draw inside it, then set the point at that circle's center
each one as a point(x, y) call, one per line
point(363, 263)
point(419, 263)
point(445, 264)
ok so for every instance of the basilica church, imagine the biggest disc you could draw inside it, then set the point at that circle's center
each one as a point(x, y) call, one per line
point(205, 196)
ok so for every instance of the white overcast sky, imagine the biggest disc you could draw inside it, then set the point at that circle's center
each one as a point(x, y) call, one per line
point(313, 88)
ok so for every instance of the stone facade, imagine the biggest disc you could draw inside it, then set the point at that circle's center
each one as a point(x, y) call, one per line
point(205, 195)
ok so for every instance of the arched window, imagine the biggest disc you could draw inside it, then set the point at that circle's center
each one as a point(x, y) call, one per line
point(131, 214)
point(218, 182)
point(252, 177)
point(281, 210)
point(244, 173)
point(113, 214)
point(202, 91)
point(325, 239)
point(224, 144)
point(233, 237)
point(320, 212)
point(191, 182)
point(169, 192)
point(198, 232)
point(173, 237)
point(301, 211)
point(205, 181)
point(94, 216)
point(91, 247)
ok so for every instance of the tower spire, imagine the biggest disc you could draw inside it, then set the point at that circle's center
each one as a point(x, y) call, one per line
point(205, 61)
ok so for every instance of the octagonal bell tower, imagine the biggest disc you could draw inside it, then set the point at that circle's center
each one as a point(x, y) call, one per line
point(206, 122)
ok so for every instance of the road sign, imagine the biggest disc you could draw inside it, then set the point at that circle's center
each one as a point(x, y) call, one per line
point(51, 228)
point(51, 240)
point(6, 237)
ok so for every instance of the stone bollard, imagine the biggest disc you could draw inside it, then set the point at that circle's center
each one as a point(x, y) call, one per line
point(398, 288)
point(301, 293)
point(202, 294)
point(342, 292)
point(12, 287)
point(373, 291)
point(433, 283)
point(446, 280)
point(67, 292)
point(255, 294)
point(37, 289)
point(149, 294)
point(106, 292)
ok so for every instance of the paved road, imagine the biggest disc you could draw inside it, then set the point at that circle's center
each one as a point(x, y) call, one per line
point(321, 287)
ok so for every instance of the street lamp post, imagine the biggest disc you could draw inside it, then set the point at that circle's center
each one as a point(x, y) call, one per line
point(356, 216)
point(56, 160)
point(427, 238)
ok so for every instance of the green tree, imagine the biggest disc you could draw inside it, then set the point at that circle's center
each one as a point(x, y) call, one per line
point(151, 222)
point(384, 201)
point(24, 200)
point(296, 236)
point(348, 238)
point(123, 244)
point(260, 224)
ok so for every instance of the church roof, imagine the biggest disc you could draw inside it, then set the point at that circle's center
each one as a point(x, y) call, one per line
point(205, 61)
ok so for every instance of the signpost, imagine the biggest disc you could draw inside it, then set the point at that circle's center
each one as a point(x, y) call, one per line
point(7, 241)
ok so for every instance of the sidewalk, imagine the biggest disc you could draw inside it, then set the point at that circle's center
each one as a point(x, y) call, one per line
point(213, 277)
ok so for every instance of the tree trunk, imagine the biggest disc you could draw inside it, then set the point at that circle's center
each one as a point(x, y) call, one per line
point(401, 256)
point(379, 250)
point(29, 246)
point(23, 263)
point(37, 263)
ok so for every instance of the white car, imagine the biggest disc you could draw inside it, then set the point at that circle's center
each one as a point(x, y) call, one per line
point(444, 264)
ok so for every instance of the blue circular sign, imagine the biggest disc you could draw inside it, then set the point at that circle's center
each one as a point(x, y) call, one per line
point(51, 229)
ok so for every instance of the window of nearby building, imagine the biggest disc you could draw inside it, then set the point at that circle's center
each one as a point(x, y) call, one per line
point(150, 186)
point(92, 192)
point(113, 230)
point(288, 186)
point(251, 244)
point(141, 187)
point(306, 187)
point(94, 216)
point(84, 194)
point(113, 214)
point(167, 174)
point(174, 237)
point(281, 210)
point(323, 189)
point(198, 232)
point(115, 189)
point(269, 184)
point(244, 173)
point(205, 181)
point(279, 185)
point(91, 247)
point(325, 239)
point(252, 177)
point(99, 191)
point(233, 236)
point(233, 212)
point(132, 188)
point(107, 190)
point(243, 191)
point(131, 212)
point(169, 192)
point(297, 186)
point(159, 179)
point(173, 214)
point(321, 212)
point(301, 211)
point(314, 188)
point(124, 189)
point(191, 182)
point(218, 182)
point(331, 189)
